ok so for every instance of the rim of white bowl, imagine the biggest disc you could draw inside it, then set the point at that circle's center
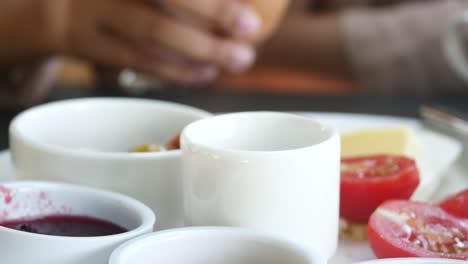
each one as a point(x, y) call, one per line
point(185, 137)
point(414, 261)
point(146, 215)
point(55, 149)
point(121, 252)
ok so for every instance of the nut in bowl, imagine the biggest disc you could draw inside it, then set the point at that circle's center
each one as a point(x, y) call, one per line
point(88, 142)
point(59, 223)
point(213, 245)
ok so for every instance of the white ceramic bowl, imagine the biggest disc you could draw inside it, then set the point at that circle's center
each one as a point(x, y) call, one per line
point(85, 141)
point(20, 200)
point(212, 245)
point(269, 171)
point(414, 261)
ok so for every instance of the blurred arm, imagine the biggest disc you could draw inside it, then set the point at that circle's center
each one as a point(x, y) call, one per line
point(23, 31)
point(309, 42)
point(399, 49)
point(387, 49)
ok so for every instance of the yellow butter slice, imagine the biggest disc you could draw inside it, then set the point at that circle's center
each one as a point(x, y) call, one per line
point(375, 141)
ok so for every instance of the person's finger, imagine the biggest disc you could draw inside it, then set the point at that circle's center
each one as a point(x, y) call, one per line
point(171, 66)
point(232, 16)
point(143, 24)
point(107, 49)
point(112, 51)
point(183, 73)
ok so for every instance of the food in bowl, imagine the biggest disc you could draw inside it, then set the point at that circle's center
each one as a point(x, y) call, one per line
point(402, 228)
point(32, 214)
point(65, 225)
point(172, 144)
point(87, 142)
point(148, 147)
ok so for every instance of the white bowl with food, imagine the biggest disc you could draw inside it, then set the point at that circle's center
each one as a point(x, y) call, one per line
point(57, 223)
point(90, 142)
point(210, 245)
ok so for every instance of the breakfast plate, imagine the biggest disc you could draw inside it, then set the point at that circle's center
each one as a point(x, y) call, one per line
point(441, 173)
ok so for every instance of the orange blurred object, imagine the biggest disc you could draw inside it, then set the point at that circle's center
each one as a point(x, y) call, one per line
point(267, 79)
point(271, 79)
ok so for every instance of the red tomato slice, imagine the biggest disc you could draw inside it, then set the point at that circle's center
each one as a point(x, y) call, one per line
point(366, 182)
point(401, 228)
point(457, 205)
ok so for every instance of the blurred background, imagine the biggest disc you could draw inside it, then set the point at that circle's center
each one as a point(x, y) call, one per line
point(339, 47)
point(315, 48)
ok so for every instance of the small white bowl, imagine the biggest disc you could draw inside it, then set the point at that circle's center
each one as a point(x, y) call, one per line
point(212, 245)
point(19, 200)
point(269, 171)
point(414, 261)
point(86, 141)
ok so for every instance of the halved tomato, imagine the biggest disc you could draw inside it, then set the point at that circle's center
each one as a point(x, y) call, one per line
point(366, 182)
point(402, 228)
point(457, 205)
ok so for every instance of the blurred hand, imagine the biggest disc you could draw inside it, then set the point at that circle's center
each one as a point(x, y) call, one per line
point(177, 40)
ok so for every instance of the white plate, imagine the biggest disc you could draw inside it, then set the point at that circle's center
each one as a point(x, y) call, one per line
point(441, 175)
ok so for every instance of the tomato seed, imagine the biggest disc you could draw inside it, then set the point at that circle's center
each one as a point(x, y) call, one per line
point(436, 237)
